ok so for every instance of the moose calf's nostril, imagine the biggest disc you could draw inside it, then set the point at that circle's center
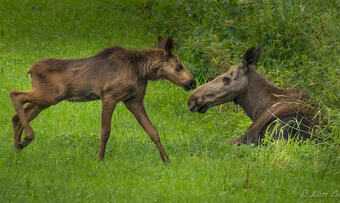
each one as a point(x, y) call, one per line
point(190, 85)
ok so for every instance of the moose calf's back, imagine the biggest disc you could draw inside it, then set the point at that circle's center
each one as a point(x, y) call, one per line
point(84, 79)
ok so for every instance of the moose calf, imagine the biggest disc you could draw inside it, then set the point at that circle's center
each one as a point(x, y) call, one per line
point(113, 75)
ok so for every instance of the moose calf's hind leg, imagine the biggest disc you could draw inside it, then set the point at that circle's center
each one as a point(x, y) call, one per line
point(32, 112)
point(17, 127)
point(18, 100)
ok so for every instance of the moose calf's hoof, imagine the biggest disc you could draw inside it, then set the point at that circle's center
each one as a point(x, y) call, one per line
point(18, 147)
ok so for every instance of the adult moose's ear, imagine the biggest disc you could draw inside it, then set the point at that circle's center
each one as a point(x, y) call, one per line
point(161, 42)
point(252, 55)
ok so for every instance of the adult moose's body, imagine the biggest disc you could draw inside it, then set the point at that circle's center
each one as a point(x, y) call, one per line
point(113, 75)
point(261, 100)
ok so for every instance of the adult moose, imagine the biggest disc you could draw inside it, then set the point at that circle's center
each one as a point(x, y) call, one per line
point(113, 75)
point(262, 101)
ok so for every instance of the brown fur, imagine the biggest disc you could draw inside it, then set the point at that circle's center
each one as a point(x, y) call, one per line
point(261, 100)
point(113, 75)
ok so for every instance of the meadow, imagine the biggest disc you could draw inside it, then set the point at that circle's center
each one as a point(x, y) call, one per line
point(301, 49)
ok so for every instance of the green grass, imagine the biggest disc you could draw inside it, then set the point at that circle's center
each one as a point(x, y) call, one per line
point(61, 164)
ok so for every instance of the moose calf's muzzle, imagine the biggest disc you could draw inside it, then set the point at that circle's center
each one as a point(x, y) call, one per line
point(190, 85)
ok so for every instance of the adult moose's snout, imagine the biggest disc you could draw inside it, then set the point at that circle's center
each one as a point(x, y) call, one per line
point(190, 85)
point(194, 102)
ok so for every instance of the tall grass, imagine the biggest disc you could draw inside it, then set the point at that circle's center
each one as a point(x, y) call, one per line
point(301, 45)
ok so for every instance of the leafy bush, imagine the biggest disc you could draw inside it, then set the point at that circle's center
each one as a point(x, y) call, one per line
point(300, 38)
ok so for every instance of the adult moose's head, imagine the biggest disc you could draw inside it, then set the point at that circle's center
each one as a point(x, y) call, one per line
point(227, 87)
point(171, 67)
point(278, 112)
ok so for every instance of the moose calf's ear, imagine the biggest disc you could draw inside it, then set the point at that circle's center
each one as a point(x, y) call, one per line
point(161, 42)
point(169, 45)
point(252, 55)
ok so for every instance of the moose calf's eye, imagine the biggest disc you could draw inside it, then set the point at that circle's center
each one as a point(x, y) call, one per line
point(179, 68)
point(226, 80)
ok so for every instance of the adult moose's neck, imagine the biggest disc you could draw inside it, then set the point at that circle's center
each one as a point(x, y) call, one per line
point(259, 94)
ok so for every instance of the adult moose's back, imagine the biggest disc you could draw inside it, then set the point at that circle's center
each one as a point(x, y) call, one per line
point(261, 100)
point(113, 75)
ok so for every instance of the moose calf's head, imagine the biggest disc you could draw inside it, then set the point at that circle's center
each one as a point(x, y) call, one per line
point(171, 68)
point(226, 87)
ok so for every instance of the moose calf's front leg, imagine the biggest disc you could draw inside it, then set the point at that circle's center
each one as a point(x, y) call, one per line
point(107, 110)
point(138, 110)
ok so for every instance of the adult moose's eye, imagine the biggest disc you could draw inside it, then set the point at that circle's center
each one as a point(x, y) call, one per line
point(179, 68)
point(226, 80)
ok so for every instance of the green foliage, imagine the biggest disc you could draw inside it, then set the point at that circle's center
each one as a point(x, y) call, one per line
point(301, 46)
point(300, 38)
